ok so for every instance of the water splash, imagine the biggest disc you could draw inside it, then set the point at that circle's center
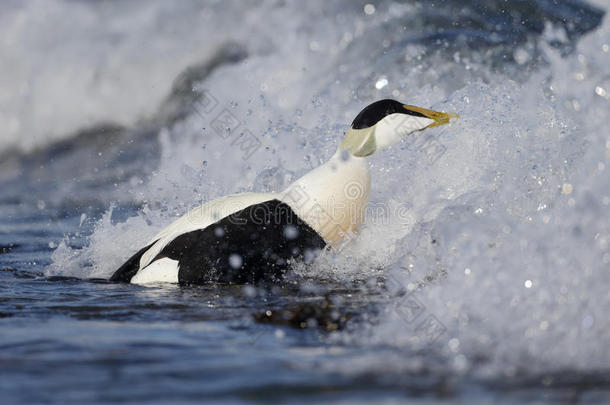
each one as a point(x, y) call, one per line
point(497, 223)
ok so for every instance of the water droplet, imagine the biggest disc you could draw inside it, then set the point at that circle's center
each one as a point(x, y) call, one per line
point(235, 261)
point(344, 155)
point(521, 56)
point(369, 9)
point(83, 216)
point(291, 232)
point(600, 91)
point(249, 291)
point(219, 232)
point(381, 83)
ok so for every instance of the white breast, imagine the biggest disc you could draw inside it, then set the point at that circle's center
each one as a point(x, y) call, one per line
point(333, 197)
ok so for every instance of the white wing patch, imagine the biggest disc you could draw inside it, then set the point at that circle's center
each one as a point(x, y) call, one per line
point(164, 270)
point(200, 218)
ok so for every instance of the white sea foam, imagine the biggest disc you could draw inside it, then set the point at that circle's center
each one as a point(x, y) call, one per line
point(88, 63)
point(515, 231)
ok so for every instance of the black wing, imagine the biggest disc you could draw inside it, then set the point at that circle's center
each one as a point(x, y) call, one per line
point(257, 243)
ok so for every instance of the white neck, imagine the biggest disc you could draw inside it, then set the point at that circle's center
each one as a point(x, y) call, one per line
point(332, 197)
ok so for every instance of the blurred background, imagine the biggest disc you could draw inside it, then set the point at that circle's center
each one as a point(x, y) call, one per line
point(482, 275)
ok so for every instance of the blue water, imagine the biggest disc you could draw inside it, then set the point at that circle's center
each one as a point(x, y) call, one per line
point(497, 230)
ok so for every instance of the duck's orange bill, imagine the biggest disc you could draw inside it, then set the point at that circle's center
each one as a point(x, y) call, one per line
point(440, 118)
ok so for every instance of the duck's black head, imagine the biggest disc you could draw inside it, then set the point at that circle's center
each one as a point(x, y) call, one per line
point(372, 131)
point(373, 113)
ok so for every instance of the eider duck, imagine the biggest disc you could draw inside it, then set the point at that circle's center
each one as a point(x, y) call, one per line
point(252, 237)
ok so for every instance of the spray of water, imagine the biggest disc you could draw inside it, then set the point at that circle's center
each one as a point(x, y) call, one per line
point(497, 225)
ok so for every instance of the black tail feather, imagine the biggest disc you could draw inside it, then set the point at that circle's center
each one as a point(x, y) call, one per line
point(130, 267)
